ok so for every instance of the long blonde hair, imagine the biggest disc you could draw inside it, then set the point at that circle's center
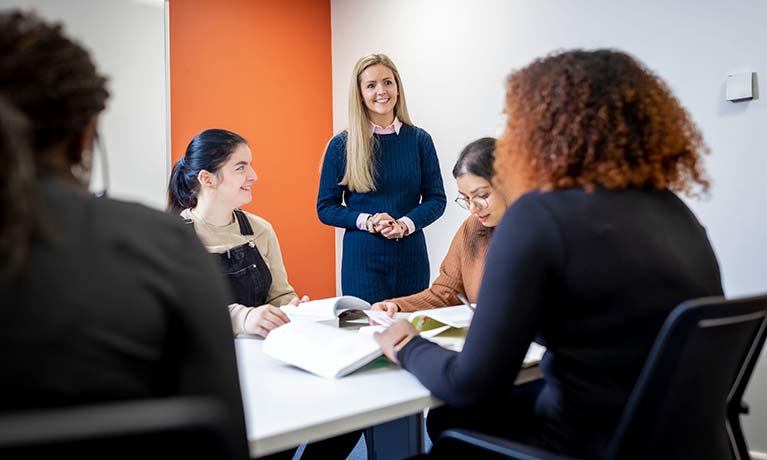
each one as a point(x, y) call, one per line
point(359, 175)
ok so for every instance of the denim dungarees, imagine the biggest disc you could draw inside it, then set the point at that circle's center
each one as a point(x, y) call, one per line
point(246, 270)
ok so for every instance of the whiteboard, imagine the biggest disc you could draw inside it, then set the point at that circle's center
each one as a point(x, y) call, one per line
point(127, 40)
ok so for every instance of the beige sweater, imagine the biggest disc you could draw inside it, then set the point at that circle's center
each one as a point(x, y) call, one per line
point(460, 272)
point(219, 239)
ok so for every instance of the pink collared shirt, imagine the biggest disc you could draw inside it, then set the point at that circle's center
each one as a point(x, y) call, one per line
point(391, 129)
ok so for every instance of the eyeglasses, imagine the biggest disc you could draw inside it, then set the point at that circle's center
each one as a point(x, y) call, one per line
point(480, 202)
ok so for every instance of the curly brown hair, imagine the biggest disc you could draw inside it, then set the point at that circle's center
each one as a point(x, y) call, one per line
point(596, 118)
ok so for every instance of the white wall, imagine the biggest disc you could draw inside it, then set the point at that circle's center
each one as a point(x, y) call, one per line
point(126, 39)
point(454, 55)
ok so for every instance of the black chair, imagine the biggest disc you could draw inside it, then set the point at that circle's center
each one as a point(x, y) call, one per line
point(153, 428)
point(687, 401)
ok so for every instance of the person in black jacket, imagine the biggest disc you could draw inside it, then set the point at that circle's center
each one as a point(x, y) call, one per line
point(101, 300)
point(592, 255)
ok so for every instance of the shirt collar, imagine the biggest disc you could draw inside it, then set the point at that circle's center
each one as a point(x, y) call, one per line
point(391, 129)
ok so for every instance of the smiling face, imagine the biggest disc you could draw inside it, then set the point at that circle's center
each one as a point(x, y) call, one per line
point(235, 178)
point(378, 88)
point(477, 191)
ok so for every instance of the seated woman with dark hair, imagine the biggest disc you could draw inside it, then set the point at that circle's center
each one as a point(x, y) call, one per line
point(207, 186)
point(593, 254)
point(461, 270)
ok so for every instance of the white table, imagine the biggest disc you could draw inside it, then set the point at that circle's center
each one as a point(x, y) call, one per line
point(285, 406)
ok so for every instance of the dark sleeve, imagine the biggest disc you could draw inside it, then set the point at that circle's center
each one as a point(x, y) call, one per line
point(330, 208)
point(200, 340)
point(522, 259)
point(433, 198)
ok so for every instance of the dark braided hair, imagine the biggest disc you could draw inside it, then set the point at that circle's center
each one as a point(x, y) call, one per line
point(52, 82)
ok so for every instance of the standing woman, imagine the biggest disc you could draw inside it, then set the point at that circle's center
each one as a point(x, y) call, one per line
point(208, 186)
point(381, 183)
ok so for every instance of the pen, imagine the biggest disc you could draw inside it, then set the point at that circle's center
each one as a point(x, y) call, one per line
point(466, 302)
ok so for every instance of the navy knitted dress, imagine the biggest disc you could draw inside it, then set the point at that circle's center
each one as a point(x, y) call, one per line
point(408, 184)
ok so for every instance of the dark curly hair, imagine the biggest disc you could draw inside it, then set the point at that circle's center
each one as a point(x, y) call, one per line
point(52, 83)
point(596, 118)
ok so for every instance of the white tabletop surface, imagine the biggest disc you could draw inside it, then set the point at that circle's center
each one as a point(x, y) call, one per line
point(285, 406)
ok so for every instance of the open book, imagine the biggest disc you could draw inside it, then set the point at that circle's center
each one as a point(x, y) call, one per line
point(446, 326)
point(321, 349)
point(345, 308)
point(430, 322)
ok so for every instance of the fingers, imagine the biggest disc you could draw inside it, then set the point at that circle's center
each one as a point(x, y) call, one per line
point(381, 216)
point(387, 226)
point(390, 337)
point(393, 231)
point(386, 341)
point(265, 318)
point(276, 315)
point(296, 301)
point(389, 307)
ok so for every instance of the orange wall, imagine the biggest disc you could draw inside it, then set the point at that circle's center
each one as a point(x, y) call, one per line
point(263, 70)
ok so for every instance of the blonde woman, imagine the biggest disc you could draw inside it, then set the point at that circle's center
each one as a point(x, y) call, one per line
point(381, 182)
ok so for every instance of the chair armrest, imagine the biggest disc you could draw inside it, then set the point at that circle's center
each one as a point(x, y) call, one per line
point(478, 445)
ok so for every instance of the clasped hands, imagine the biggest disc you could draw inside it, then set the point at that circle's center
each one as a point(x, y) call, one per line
point(387, 226)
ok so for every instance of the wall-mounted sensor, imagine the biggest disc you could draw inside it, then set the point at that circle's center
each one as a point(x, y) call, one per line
point(740, 86)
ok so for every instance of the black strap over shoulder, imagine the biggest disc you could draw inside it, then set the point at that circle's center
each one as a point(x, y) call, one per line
point(242, 220)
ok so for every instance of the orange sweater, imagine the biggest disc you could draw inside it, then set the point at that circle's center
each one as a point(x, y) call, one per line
point(460, 272)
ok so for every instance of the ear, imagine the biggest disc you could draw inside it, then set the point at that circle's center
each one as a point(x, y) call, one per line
point(207, 179)
point(89, 134)
point(81, 147)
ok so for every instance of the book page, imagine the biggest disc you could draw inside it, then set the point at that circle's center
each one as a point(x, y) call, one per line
point(458, 316)
point(323, 309)
point(534, 355)
point(320, 349)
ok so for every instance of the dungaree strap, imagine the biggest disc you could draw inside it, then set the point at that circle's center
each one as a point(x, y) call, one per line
point(242, 220)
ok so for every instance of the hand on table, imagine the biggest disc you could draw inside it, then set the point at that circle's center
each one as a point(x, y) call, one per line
point(262, 320)
point(389, 307)
point(395, 337)
point(297, 301)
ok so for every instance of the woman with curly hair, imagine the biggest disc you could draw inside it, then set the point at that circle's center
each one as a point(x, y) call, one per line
point(592, 255)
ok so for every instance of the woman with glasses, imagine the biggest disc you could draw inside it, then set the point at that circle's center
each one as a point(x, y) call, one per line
point(381, 183)
point(461, 270)
point(594, 252)
point(207, 187)
point(102, 300)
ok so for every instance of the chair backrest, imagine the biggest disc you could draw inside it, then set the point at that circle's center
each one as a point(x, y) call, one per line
point(151, 428)
point(687, 400)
